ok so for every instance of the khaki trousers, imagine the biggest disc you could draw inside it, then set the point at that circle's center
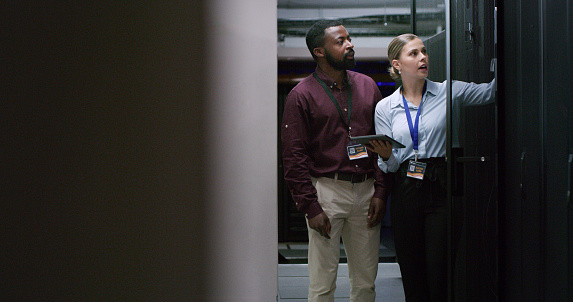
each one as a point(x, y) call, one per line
point(346, 205)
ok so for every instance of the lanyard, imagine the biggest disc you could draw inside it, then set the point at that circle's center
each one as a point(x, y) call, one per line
point(333, 99)
point(413, 128)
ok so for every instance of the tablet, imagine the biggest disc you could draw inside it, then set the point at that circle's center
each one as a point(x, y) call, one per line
point(367, 138)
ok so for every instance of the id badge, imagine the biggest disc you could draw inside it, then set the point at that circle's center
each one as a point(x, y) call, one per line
point(356, 151)
point(416, 169)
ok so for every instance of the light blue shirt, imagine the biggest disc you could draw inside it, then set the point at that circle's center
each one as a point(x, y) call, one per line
point(390, 119)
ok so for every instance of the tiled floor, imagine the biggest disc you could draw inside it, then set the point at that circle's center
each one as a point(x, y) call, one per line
point(293, 272)
point(293, 283)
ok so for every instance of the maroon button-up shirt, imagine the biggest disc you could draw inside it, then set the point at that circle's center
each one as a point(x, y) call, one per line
point(315, 138)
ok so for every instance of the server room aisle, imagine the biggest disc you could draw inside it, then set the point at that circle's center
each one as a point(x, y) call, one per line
point(293, 272)
point(293, 283)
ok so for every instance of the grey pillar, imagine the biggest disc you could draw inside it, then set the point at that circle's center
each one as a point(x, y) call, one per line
point(241, 107)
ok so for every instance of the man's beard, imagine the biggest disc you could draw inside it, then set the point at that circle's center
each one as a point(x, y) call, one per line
point(343, 64)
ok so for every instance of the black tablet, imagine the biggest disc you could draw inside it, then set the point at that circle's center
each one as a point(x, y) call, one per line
point(367, 138)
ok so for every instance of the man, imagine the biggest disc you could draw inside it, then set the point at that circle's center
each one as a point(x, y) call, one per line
point(333, 180)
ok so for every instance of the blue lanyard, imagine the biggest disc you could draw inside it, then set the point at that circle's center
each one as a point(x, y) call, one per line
point(413, 128)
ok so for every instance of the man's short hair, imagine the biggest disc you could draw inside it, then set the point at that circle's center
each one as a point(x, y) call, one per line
point(315, 35)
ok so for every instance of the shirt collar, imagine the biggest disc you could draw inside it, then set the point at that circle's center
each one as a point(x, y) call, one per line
point(431, 88)
point(328, 80)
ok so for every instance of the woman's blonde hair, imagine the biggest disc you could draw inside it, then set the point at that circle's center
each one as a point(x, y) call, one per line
point(395, 49)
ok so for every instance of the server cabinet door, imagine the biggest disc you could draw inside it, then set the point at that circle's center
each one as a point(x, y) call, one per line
point(472, 155)
point(557, 122)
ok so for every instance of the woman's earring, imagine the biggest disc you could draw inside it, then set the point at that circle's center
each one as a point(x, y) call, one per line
point(399, 72)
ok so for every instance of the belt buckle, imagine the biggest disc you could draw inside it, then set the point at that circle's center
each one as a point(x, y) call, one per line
point(356, 179)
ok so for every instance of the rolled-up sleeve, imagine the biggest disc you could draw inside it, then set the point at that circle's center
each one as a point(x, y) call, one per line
point(390, 165)
point(382, 123)
point(295, 144)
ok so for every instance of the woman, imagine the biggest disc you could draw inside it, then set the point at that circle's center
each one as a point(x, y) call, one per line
point(415, 115)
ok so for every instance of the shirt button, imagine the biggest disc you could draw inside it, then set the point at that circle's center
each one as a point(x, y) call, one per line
point(345, 109)
point(286, 126)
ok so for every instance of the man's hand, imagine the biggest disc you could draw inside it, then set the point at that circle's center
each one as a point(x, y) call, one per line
point(383, 148)
point(376, 211)
point(321, 224)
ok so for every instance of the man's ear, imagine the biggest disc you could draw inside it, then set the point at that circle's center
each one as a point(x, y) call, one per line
point(318, 52)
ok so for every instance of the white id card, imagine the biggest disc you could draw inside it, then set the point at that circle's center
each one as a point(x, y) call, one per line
point(416, 169)
point(357, 151)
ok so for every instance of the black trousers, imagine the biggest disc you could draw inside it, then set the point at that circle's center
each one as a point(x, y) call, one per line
point(419, 223)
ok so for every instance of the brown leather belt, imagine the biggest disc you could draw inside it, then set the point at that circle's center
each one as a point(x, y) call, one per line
point(353, 178)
